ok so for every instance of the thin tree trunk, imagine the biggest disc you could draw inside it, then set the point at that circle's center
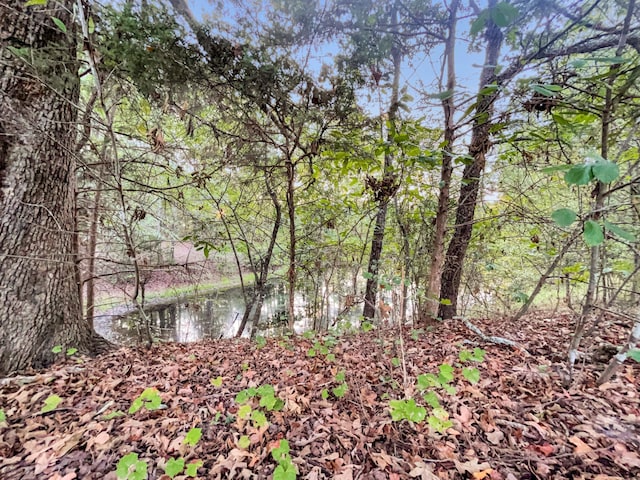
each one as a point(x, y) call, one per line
point(543, 278)
point(598, 204)
point(263, 271)
point(291, 273)
point(432, 294)
point(621, 356)
point(39, 296)
point(91, 253)
point(471, 176)
point(383, 195)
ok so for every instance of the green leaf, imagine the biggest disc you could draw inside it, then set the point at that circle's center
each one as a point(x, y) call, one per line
point(479, 23)
point(478, 354)
point(546, 90)
point(281, 450)
point(174, 467)
point(629, 237)
point(71, 351)
point(91, 25)
point(395, 361)
point(149, 398)
point(504, 14)
point(3, 416)
point(311, 352)
point(51, 403)
point(193, 436)
point(605, 171)
point(445, 301)
point(60, 24)
point(57, 349)
point(446, 373)
point(130, 468)
point(31, 3)
point(112, 415)
point(324, 394)
point(431, 399)
point(259, 419)
point(216, 382)
point(555, 168)
point(341, 390)
point(244, 442)
point(634, 354)
point(192, 468)
point(285, 471)
point(244, 411)
point(564, 217)
point(428, 380)
point(579, 175)
point(471, 374)
point(593, 234)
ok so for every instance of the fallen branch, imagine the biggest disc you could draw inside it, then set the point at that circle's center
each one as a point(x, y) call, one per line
point(492, 339)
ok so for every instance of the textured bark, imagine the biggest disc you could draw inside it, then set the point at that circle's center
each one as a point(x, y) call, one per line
point(432, 300)
point(291, 273)
point(39, 294)
point(471, 176)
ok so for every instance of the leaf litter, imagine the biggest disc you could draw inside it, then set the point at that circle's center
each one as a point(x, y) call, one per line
point(516, 423)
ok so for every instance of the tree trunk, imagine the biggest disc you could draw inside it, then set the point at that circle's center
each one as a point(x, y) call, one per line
point(39, 295)
point(471, 176)
point(262, 272)
point(432, 300)
point(383, 196)
point(291, 274)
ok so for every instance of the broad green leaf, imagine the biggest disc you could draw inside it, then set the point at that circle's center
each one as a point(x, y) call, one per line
point(259, 419)
point(593, 234)
point(546, 90)
point(193, 436)
point(91, 25)
point(192, 468)
point(431, 399)
point(51, 403)
point(579, 175)
point(324, 394)
point(216, 382)
point(564, 217)
point(174, 467)
point(149, 398)
point(503, 14)
point(60, 24)
point(605, 171)
point(281, 450)
point(613, 228)
point(340, 376)
point(446, 373)
point(244, 442)
point(3, 416)
point(31, 3)
point(285, 471)
point(341, 390)
point(130, 468)
point(57, 349)
point(634, 354)
point(244, 411)
point(445, 301)
point(479, 23)
point(471, 374)
point(71, 351)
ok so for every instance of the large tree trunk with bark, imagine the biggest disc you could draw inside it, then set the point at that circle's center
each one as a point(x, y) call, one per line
point(471, 176)
point(39, 295)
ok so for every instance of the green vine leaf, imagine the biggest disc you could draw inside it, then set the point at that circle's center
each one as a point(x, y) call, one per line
point(564, 217)
point(593, 234)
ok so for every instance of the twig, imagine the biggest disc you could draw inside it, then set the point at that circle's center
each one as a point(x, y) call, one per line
point(492, 339)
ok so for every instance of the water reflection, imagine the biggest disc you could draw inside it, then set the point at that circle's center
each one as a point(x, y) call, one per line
point(218, 315)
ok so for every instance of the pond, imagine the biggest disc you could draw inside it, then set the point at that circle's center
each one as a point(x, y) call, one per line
point(216, 315)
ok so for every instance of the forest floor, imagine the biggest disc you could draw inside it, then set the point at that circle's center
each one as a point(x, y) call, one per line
point(327, 400)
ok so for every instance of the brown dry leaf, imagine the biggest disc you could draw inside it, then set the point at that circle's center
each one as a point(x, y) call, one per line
point(465, 415)
point(482, 474)
point(495, 437)
point(345, 474)
point(471, 466)
point(424, 471)
point(581, 447)
point(626, 457)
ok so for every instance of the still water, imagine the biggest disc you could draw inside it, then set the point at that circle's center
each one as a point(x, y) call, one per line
point(217, 315)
